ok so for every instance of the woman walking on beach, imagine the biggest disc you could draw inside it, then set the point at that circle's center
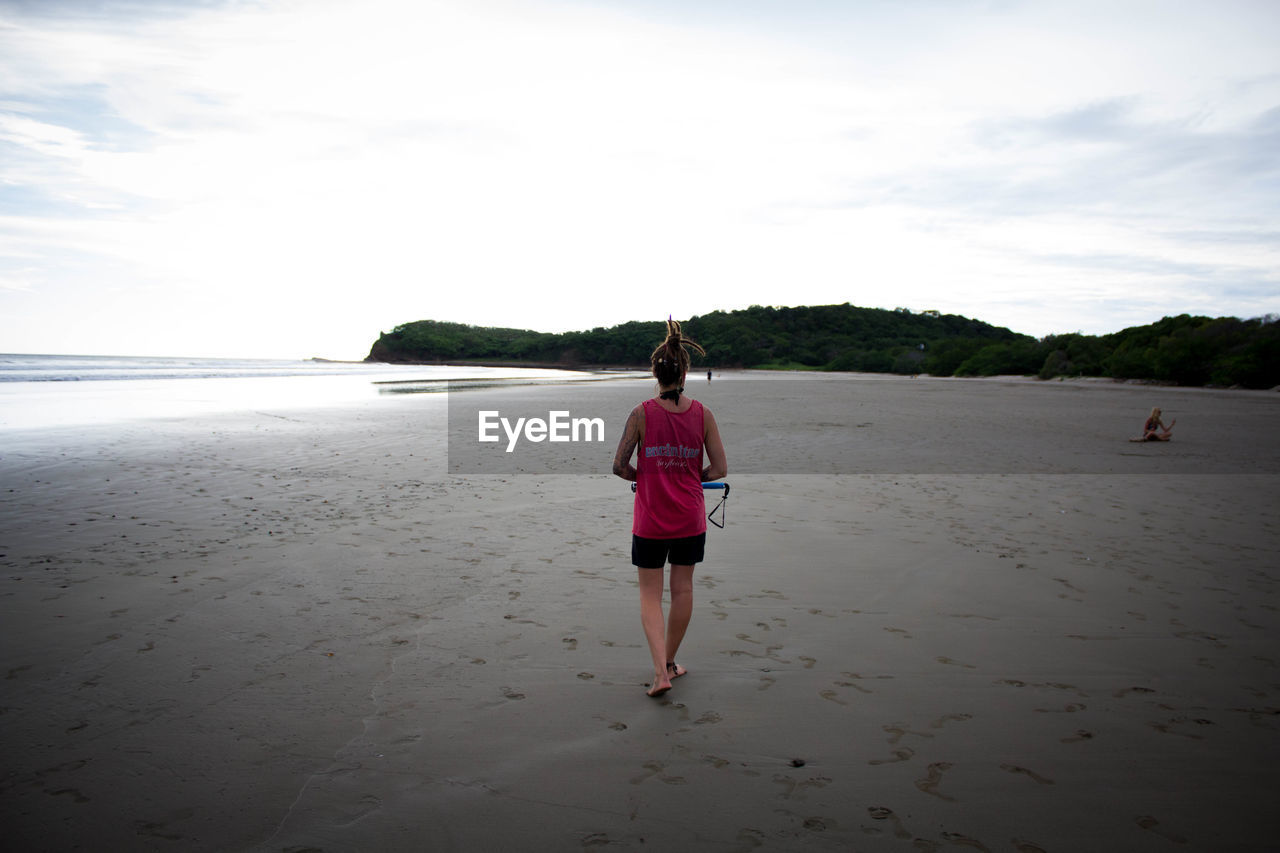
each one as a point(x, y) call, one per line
point(672, 432)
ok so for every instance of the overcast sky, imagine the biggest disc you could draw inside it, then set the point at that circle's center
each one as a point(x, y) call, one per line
point(289, 179)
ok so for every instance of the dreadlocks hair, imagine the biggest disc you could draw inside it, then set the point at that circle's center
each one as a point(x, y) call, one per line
point(670, 360)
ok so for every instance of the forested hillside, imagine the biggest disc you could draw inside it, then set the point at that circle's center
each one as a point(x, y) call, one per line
point(826, 337)
point(1183, 350)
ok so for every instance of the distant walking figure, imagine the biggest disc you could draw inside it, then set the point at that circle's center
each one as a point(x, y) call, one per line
point(669, 435)
point(1154, 429)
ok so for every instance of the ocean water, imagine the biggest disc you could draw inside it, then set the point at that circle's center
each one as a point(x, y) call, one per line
point(49, 391)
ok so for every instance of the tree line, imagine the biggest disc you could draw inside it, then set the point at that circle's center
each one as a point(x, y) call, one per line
point(1183, 350)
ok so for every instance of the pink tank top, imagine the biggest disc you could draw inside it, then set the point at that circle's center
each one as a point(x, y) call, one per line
point(669, 502)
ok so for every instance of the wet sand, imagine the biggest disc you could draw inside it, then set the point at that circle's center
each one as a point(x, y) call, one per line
point(300, 631)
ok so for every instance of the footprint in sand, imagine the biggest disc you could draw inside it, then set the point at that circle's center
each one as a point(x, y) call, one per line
point(1013, 768)
point(792, 785)
point(886, 814)
point(155, 829)
point(70, 766)
point(73, 793)
point(906, 635)
point(681, 710)
point(570, 644)
point(1120, 694)
point(930, 783)
point(511, 694)
point(768, 654)
point(511, 617)
point(766, 681)
point(657, 769)
point(1072, 708)
point(1080, 735)
point(832, 696)
point(899, 732)
point(857, 676)
point(960, 840)
point(949, 718)
point(951, 662)
point(1058, 685)
point(898, 755)
point(1169, 727)
point(1150, 824)
point(1201, 635)
point(353, 812)
point(852, 684)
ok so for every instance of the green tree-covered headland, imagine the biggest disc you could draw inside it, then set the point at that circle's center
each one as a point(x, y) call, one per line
point(1183, 350)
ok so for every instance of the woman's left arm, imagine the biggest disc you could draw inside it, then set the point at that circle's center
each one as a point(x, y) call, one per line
point(626, 446)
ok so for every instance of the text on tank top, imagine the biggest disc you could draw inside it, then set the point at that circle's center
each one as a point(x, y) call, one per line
point(669, 502)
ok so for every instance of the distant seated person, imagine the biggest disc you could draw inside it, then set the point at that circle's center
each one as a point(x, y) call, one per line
point(1154, 429)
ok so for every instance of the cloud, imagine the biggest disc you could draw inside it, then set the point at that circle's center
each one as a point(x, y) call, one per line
point(350, 166)
point(17, 280)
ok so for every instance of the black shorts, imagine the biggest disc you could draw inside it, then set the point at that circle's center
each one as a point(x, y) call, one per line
point(656, 553)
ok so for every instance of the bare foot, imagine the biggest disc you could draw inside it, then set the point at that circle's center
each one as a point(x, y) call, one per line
point(661, 684)
point(675, 670)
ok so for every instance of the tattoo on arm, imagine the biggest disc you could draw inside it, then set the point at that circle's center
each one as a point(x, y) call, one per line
point(622, 459)
point(622, 462)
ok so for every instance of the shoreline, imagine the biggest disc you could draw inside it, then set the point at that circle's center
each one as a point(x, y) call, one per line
point(729, 371)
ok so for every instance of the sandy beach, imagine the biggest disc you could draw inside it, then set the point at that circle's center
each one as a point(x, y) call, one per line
point(943, 614)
